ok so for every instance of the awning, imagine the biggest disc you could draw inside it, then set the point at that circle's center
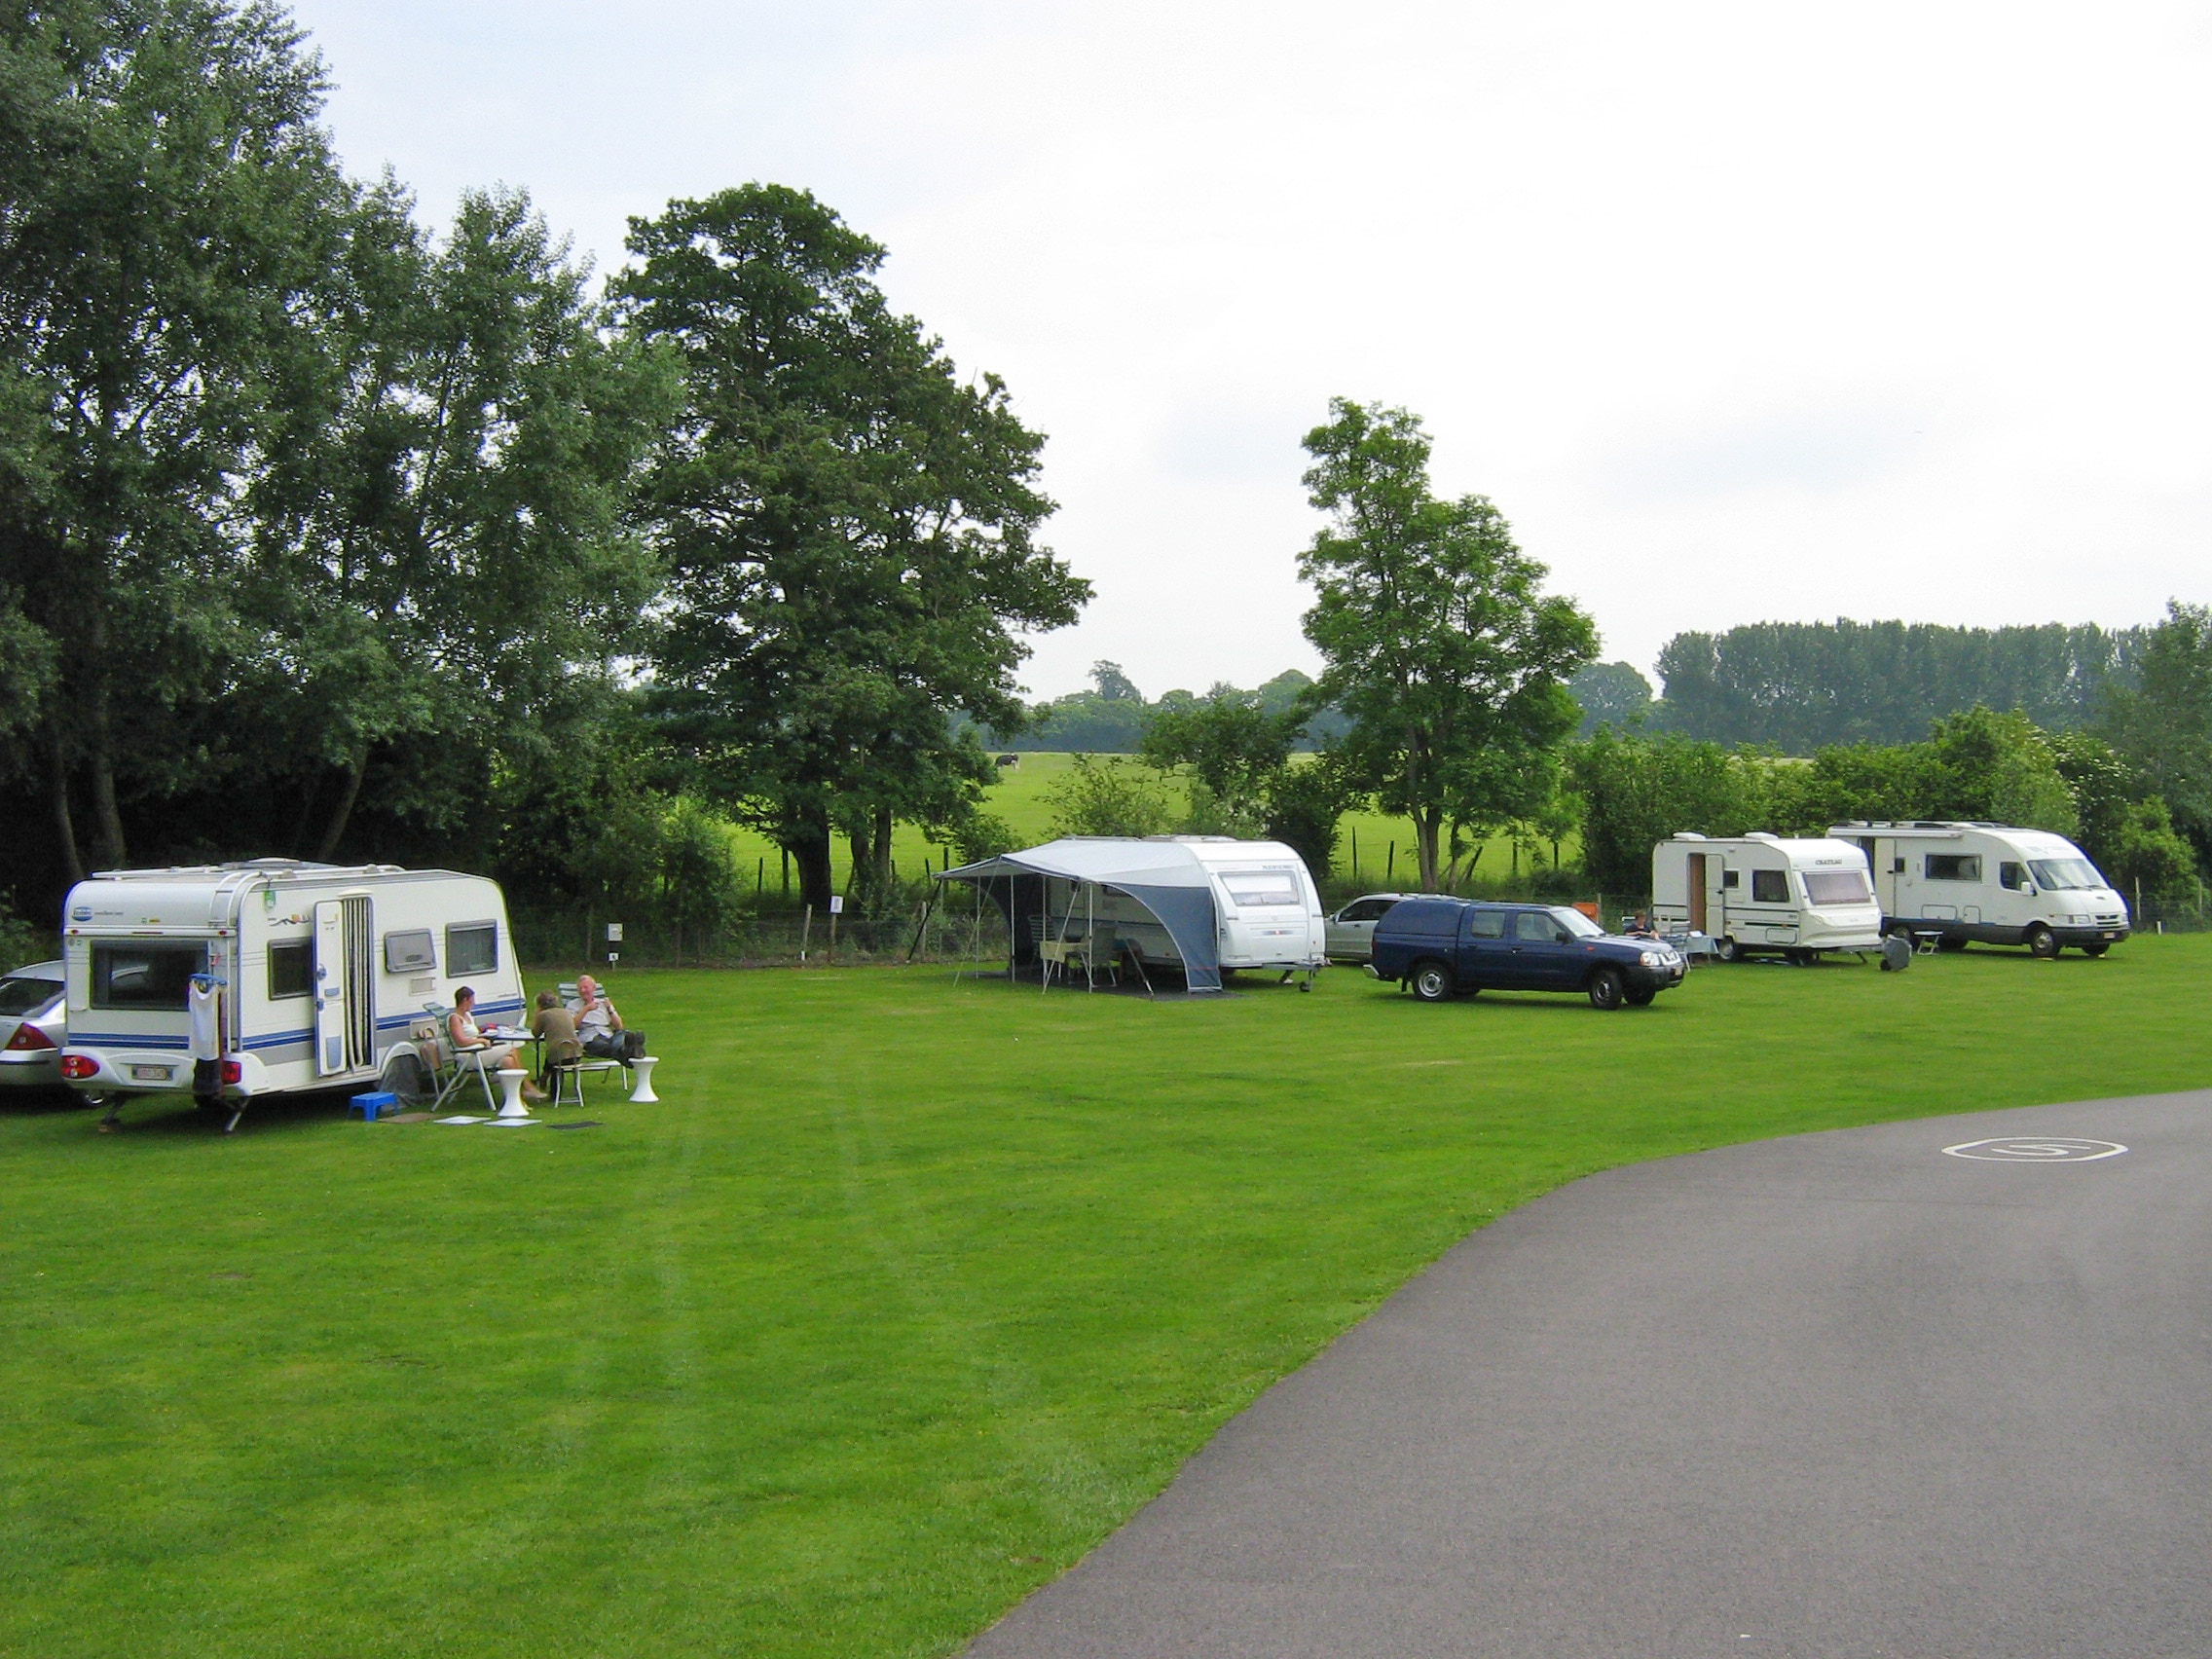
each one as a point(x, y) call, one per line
point(1161, 876)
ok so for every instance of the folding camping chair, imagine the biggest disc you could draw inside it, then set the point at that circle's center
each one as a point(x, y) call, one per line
point(451, 1068)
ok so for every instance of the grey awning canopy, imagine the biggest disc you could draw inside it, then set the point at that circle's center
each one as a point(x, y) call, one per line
point(1163, 875)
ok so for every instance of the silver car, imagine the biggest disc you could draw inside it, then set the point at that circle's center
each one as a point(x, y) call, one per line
point(1351, 930)
point(31, 1027)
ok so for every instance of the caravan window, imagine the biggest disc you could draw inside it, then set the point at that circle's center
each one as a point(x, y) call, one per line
point(292, 970)
point(1265, 890)
point(473, 947)
point(1770, 887)
point(410, 952)
point(2014, 877)
point(1730, 878)
point(1836, 887)
point(146, 975)
point(1954, 866)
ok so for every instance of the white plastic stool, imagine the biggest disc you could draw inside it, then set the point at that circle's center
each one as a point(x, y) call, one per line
point(510, 1093)
point(642, 1068)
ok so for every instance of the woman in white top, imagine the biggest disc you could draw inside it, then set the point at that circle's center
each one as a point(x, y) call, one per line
point(468, 1037)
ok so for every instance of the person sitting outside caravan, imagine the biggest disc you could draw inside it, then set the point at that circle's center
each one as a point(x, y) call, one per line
point(554, 1028)
point(469, 1039)
point(600, 1025)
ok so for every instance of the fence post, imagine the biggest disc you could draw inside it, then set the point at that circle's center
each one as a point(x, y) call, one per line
point(807, 932)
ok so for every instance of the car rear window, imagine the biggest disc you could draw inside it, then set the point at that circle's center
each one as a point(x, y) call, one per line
point(21, 998)
point(1487, 924)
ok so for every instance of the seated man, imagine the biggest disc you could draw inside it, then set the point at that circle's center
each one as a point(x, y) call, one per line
point(556, 1027)
point(605, 1037)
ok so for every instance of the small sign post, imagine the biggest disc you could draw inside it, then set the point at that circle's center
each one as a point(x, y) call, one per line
point(613, 937)
point(836, 909)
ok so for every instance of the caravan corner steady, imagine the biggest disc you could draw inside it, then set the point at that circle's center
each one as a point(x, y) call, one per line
point(1994, 883)
point(321, 975)
point(1762, 893)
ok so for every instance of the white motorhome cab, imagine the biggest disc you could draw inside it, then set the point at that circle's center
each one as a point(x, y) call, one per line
point(1762, 893)
point(1989, 882)
point(322, 973)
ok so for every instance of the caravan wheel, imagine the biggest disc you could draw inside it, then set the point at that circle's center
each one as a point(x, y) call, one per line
point(1725, 948)
point(404, 1077)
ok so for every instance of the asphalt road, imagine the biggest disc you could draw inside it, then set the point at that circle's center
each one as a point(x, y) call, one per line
point(1841, 1394)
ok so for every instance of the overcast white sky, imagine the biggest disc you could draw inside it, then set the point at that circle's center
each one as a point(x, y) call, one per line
point(1739, 311)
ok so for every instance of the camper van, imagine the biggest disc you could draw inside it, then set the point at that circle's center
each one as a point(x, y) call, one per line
point(1762, 893)
point(320, 974)
point(1989, 882)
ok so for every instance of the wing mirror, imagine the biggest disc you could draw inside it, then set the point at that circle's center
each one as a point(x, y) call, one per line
point(1562, 937)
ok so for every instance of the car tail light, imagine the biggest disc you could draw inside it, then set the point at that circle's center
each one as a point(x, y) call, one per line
point(77, 1068)
point(28, 1037)
point(233, 1071)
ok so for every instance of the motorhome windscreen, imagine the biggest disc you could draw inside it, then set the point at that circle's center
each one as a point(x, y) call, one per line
point(137, 975)
point(2064, 874)
point(1836, 887)
point(1263, 890)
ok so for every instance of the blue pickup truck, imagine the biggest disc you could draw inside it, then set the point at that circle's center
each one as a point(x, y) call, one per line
point(1441, 947)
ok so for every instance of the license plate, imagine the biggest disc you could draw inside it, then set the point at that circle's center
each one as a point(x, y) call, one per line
point(149, 1074)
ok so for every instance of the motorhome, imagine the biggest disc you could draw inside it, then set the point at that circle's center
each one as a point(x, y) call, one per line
point(309, 977)
point(1202, 905)
point(1764, 892)
point(1960, 882)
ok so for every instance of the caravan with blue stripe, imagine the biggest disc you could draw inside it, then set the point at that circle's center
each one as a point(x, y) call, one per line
point(275, 976)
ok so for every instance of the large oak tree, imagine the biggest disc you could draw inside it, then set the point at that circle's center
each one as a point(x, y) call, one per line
point(847, 527)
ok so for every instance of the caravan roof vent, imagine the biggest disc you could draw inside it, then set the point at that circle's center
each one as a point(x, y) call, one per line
point(1687, 836)
point(1760, 835)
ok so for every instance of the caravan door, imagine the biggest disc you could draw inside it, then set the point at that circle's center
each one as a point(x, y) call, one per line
point(329, 986)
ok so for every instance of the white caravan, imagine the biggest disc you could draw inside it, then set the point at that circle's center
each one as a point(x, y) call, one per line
point(320, 976)
point(1762, 893)
point(1991, 882)
point(1203, 904)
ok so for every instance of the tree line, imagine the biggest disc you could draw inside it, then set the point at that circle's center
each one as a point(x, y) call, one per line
point(1798, 687)
point(2133, 785)
point(326, 533)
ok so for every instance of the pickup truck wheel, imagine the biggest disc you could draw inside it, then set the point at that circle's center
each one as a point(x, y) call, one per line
point(1432, 981)
point(1605, 988)
point(2042, 943)
point(1639, 999)
point(1725, 948)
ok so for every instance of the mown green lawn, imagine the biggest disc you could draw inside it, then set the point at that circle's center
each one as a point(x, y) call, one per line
point(909, 1291)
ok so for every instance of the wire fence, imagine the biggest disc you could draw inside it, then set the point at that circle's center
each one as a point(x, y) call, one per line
point(961, 930)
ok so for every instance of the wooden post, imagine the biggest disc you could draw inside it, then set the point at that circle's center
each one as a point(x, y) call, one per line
point(1356, 857)
point(805, 933)
point(830, 955)
point(759, 880)
point(1390, 865)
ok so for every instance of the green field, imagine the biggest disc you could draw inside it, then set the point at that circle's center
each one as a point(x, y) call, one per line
point(1384, 844)
point(909, 1292)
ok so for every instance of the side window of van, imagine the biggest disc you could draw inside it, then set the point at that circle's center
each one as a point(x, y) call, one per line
point(1486, 923)
point(2012, 876)
point(1770, 887)
point(471, 947)
point(292, 970)
point(1954, 866)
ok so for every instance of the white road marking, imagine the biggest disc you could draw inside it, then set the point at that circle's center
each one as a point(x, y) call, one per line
point(2037, 1149)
